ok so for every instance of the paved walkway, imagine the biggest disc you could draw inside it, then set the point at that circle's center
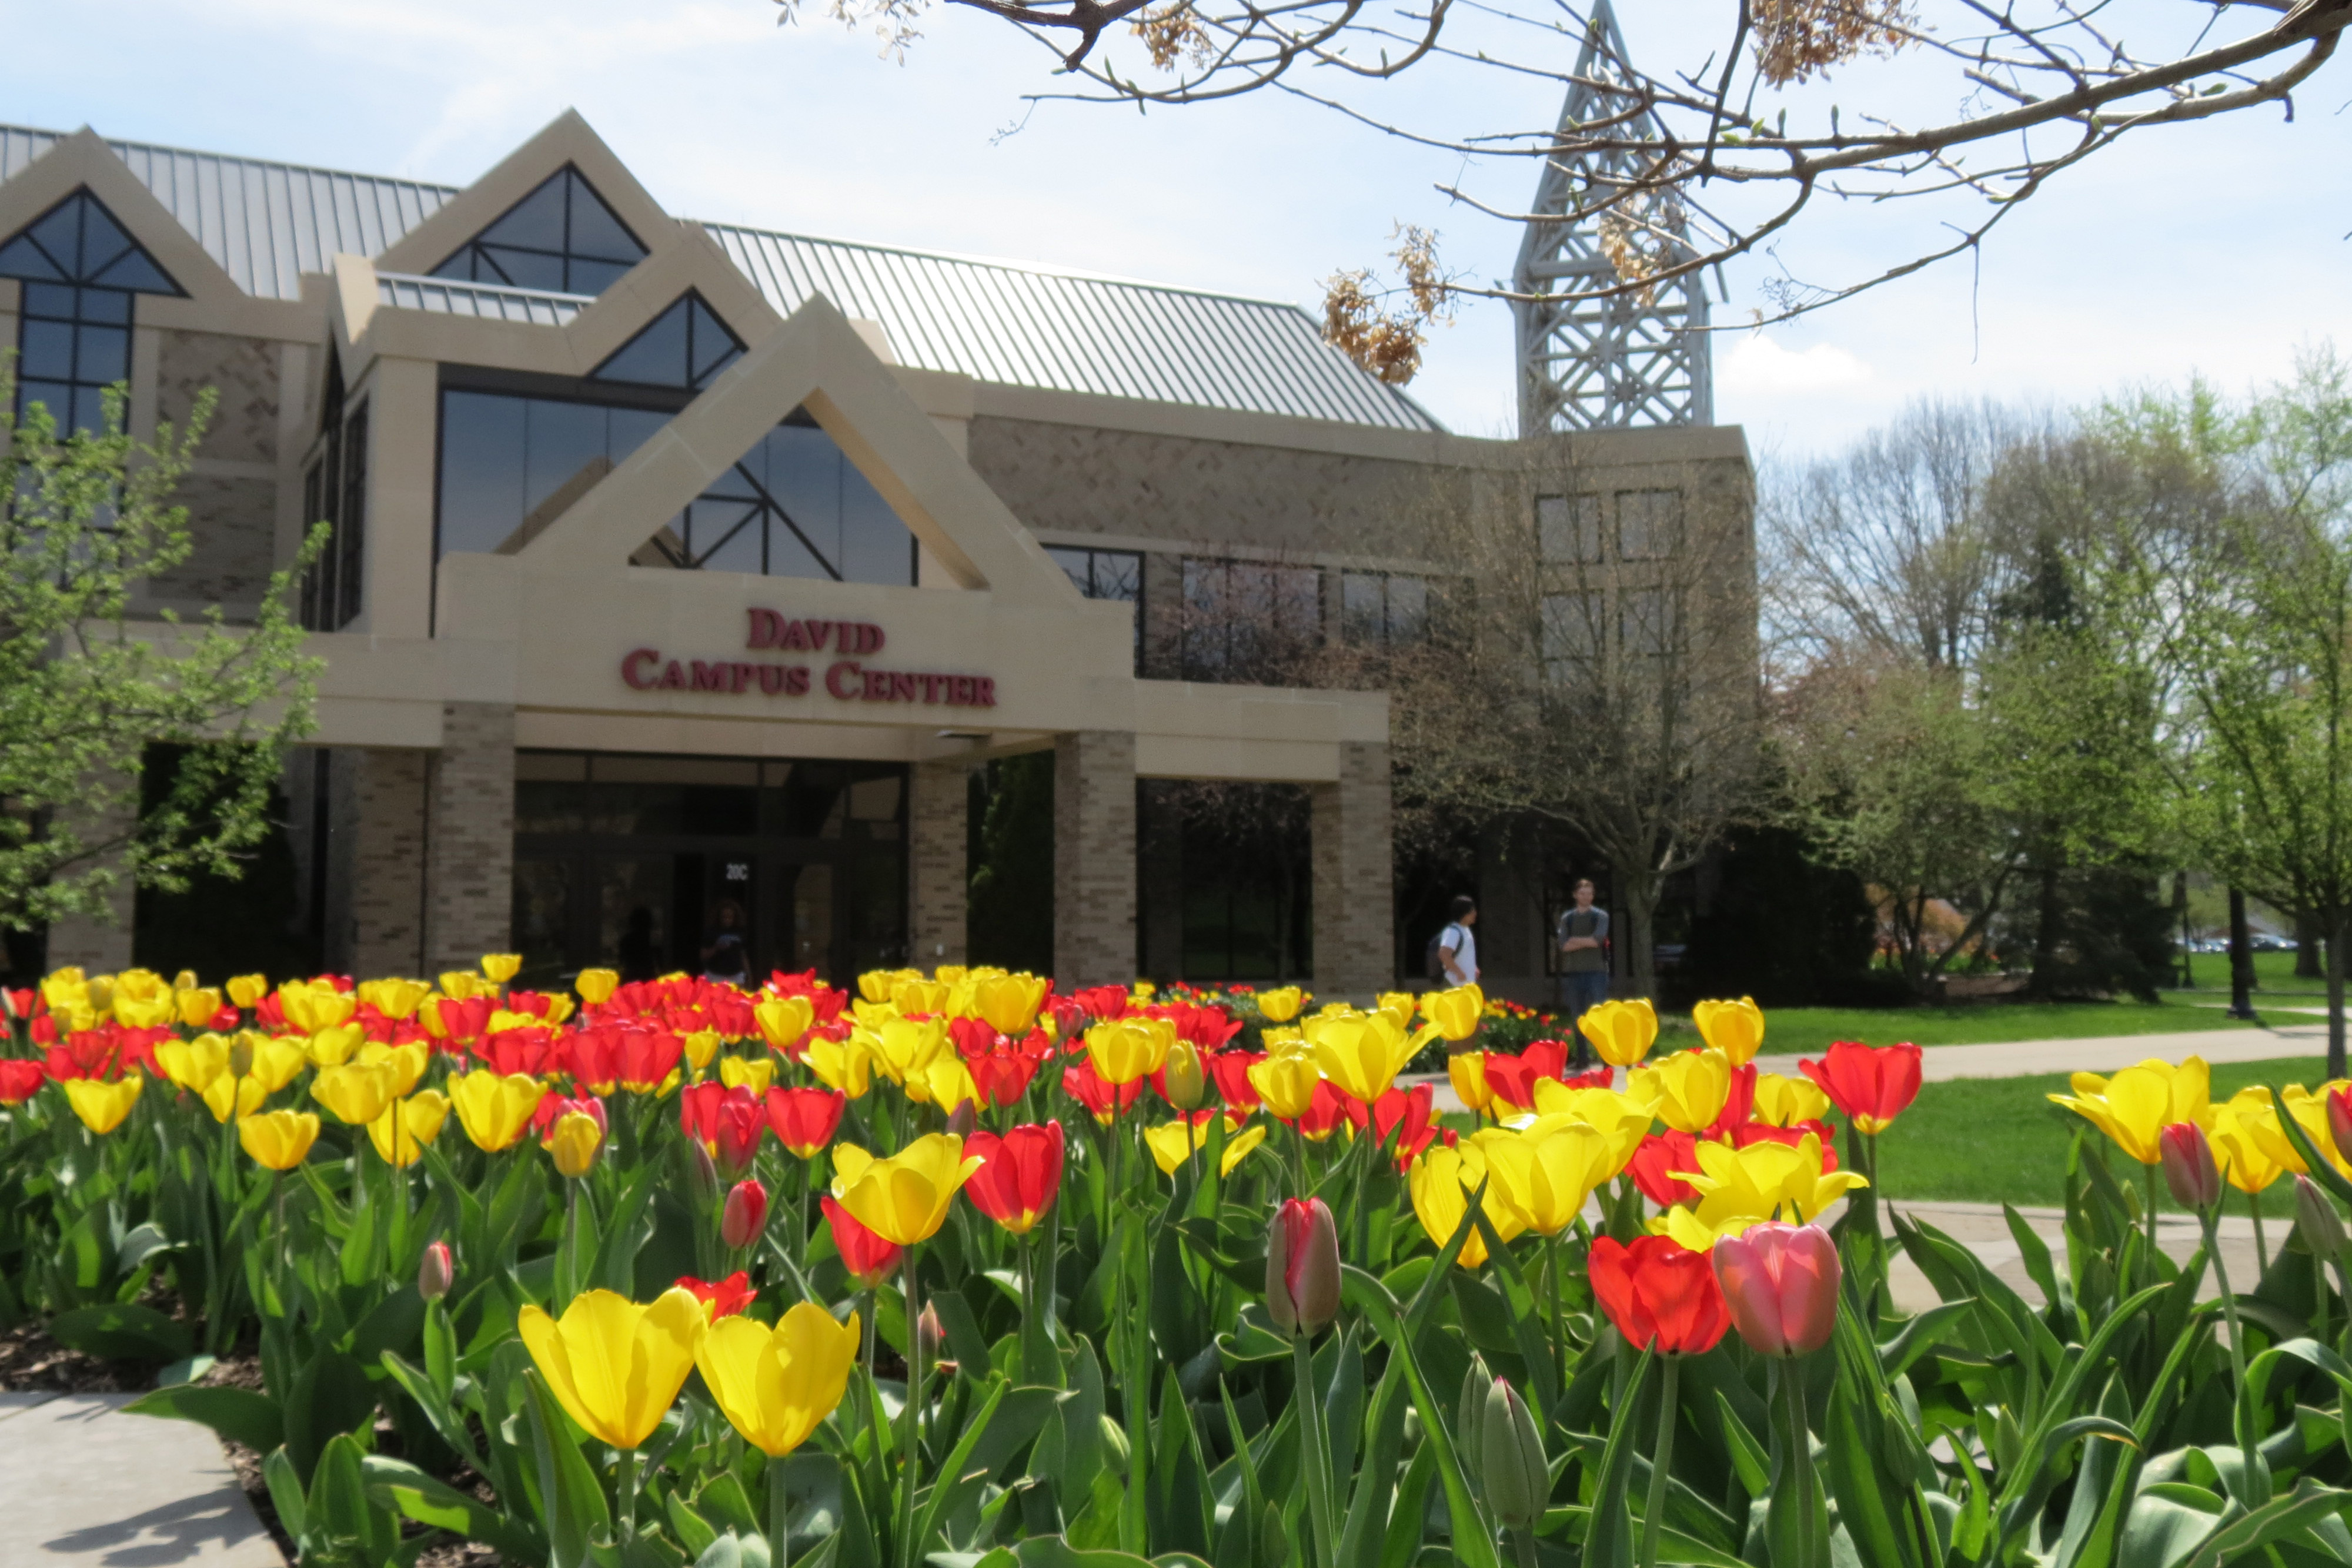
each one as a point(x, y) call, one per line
point(1984, 1230)
point(86, 1485)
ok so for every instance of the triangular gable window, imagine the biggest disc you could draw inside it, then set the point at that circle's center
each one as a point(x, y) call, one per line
point(685, 346)
point(79, 241)
point(793, 506)
point(562, 238)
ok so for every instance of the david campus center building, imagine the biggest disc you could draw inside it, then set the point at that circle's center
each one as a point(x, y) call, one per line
point(682, 573)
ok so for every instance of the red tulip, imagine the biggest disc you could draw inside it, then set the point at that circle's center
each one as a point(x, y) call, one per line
point(1738, 1106)
point(19, 1079)
point(1326, 1111)
point(554, 1107)
point(1601, 1077)
point(868, 1257)
point(1749, 1132)
point(1102, 1003)
point(726, 1122)
point(805, 1119)
point(1302, 1267)
point(2188, 1168)
point(1020, 1176)
point(1657, 1159)
point(1872, 1084)
point(1002, 1073)
point(1781, 1283)
point(1229, 1070)
point(1403, 1112)
point(721, 1298)
point(1660, 1293)
point(1087, 1088)
point(648, 1056)
point(435, 1271)
point(2340, 1120)
point(511, 1050)
point(745, 1216)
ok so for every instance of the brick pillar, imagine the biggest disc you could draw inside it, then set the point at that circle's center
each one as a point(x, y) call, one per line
point(937, 812)
point(469, 837)
point(99, 942)
point(1355, 954)
point(385, 858)
point(1094, 858)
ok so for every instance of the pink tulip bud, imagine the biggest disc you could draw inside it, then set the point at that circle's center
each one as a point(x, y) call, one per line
point(2188, 1168)
point(745, 1216)
point(2340, 1120)
point(436, 1273)
point(963, 1120)
point(1302, 1267)
point(929, 1335)
point(1780, 1282)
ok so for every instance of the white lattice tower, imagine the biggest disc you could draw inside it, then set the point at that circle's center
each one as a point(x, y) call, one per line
point(1603, 364)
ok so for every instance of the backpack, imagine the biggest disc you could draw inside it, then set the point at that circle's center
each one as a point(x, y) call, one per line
point(1433, 960)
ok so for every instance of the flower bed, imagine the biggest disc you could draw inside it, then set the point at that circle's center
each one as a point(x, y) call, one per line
point(955, 1270)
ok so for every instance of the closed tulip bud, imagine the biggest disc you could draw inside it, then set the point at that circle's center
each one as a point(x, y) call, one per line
point(702, 1175)
point(1511, 1459)
point(1780, 1282)
point(929, 1335)
point(745, 1216)
point(1302, 1267)
point(573, 1141)
point(2316, 1221)
point(1182, 1075)
point(963, 1119)
point(1470, 1414)
point(436, 1273)
point(2188, 1168)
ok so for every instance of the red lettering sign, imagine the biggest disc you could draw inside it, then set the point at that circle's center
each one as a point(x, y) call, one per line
point(845, 680)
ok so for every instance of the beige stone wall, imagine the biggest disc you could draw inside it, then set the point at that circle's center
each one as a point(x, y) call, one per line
point(1355, 939)
point(937, 817)
point(469, 843)
point(1094, 858)
point(100, 942)
point(231, 491)
point(385, 910)
point(244, 373)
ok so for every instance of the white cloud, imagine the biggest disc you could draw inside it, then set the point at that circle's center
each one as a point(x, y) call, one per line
point(1760, 366)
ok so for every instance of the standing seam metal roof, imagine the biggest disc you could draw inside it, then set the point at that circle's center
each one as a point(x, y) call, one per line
point(268, 223)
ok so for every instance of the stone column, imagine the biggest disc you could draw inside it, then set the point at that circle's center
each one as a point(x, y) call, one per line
point(1355, 935)
point(385, 860)
point(937, 814)
point(1094, 858)
point(469, 837)
point(100, 942)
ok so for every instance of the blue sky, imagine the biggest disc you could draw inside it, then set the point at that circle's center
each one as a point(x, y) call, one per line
point(2217, 249)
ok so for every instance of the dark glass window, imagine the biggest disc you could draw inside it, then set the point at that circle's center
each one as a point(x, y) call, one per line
point(1248, 621)
point(1567, 527)
point(1107, 574)
point(1383, 609)
point(685, 346)
point(793, 506)
point(351, 528)
point(561, 237)
point(81, 271)
point(334, 492)
point(1649, 523)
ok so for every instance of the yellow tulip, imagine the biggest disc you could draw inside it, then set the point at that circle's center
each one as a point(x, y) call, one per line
point(501, 966)
point(1623, 1032)
point(334, 1045)
point(2135, 1105)
point(1362, 1052)
point(494, 1110)
point(1173, 1143)
point(1623, 1119)
point(1454, 1012)
point(573, 1141)
point(228, 1097)
point(404, 1128)
point(874, 985)
point(1687, 1088)
point(186, 981)
point(357, 1093)
point(783, 1019)
point(597, 986)
point(1548, 1172)
point(63, 985)
point(1125, 1050)
point(144, 999)
point(196, 1005)
point(1785, 1102)
point(407, 1062)
point(1440, 1183)
point(616, 1366)
point(956, 974)
point(395, 998)
point(1281, 1004)
point(1009, 1002)
point(904, 1198)
point(903, 1047)
point(2309, 1108)
point(1696, 1235)
point(2239, 1148)
point(1467, 1069)
point(279, 1139)
point(701, 1046)
point(463, 985)
point(102, 1105)
point(194, 1064)
point(776, 1386)
point(736, 1073)
point(1286, 1081)
point(1763, 1179)
point(312, 1005)
point(1401, 1003)
point(846, 1065)
point(1735, 1029)
point(559, 1008)
point(917, 995)
point(871, 1015)
point(945, 1082)
point(246, 989)
point(274, 1059)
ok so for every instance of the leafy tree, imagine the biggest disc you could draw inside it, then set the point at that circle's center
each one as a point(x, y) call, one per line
point(90, 678)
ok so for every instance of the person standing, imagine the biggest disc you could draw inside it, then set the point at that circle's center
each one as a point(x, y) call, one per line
point(1457, 949)
point(1582, 936)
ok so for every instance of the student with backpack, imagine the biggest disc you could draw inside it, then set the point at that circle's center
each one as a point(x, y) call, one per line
point(1452, 956)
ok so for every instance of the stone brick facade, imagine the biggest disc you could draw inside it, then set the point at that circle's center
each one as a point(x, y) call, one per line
point(1355, 938)
point(99, 944)
point(469, 843)
point(1094, 858)
point(233, 536)
point(938, 812)
point(385, 850)
point(243, 371)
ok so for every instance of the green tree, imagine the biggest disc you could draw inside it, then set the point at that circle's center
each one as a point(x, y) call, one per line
point(89, 679)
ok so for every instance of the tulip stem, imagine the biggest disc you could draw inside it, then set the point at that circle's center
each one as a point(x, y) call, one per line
point(625, 1482)
point(779, 1547)
point(1318, 1450)
point(1654, 1517)
point(908, 1553)
point(2148, 1176)
point(2261, 1244)
point(2240, 1417)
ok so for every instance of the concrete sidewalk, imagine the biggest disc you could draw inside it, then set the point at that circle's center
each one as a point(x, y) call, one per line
point(1984, 1231)
point(86, 1484)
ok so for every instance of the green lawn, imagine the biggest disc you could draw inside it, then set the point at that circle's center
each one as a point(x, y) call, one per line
point(1996, 1139)
point(2275, 980)
point(1809, 1031)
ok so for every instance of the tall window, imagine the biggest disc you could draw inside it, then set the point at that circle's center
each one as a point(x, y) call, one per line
point(1567, 527)
point(1574, 632)
point(1649, 524)
point(561, 237)
point(334, 492)
point(685, 346)
point(1107, 574)
point(1383, 609)
point(1244, 621)
point(81, 272)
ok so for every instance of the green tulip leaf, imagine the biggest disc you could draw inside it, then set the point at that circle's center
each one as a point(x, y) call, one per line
point(122, 1331)
point(240, 1414)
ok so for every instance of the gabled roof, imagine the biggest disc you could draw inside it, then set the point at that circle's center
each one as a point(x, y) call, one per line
point(268, 223)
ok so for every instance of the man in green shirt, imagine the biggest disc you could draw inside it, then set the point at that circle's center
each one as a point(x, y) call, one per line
point(1582, 936)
